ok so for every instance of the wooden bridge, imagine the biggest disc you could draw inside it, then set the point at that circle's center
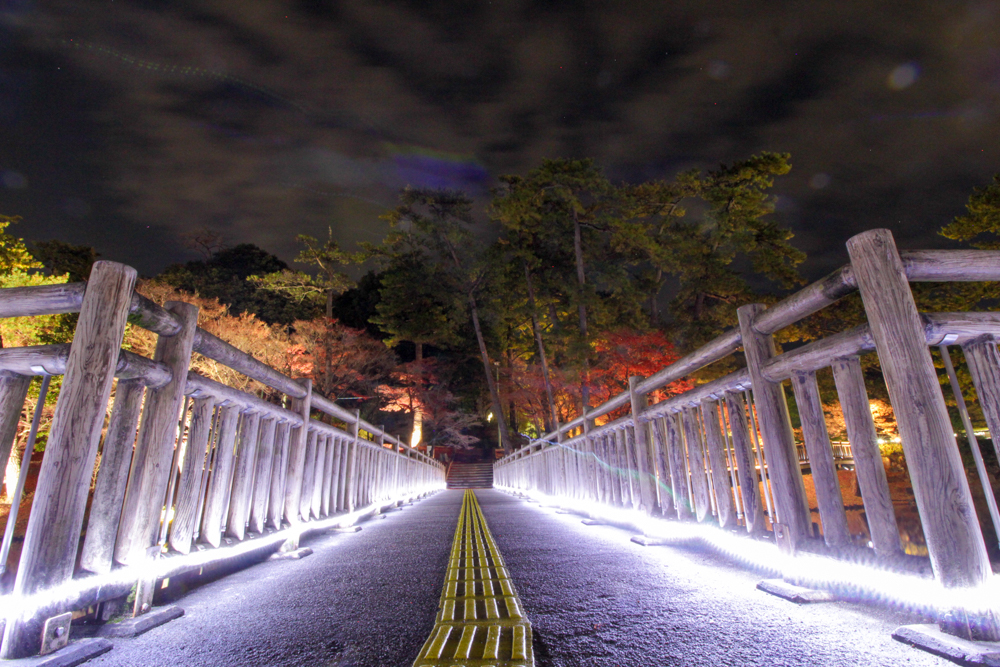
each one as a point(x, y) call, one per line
point(190, 467)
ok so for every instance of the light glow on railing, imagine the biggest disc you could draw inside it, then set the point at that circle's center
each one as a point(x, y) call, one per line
point(851, 580)
point(16, 606)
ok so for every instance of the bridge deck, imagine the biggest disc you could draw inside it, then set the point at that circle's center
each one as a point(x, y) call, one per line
point(593, 598)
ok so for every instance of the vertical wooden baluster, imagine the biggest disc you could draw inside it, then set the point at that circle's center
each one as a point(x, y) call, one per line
point(279, 472)
point(192, 472)
point(665, 476)
point(112, 475)
point(784, 471)
point(243, 476)
point(262, 474)
point(218, 488)
point(824, 472)
point(327, 475)
point(646, 468)
point(753, 511)
point(678, 469)
point(48, 554)
point(309, 476)
point(983, 360)
point(350, 476)
point(297, 456)
point(696, 458)
point(154, 448)
point(720, 473)
point(13, 392)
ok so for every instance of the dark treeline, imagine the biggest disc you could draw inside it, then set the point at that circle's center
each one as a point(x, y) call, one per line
point(585, 283)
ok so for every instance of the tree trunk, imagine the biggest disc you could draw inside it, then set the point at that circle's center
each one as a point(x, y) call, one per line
point(418, 416)
point(505, 442)
point(654, 306)
point(581, 280)
point(541, 350)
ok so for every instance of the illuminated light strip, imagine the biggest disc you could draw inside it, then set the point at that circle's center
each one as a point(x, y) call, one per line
point(849, 580)
point(63, 595)
point(480, 621)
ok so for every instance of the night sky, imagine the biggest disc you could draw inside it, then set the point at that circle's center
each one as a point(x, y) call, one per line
point(125, 124)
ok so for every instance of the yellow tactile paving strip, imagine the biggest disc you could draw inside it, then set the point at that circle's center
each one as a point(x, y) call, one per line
point(480, 622)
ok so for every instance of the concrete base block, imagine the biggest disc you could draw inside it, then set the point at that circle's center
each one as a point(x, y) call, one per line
point(349, 529)
point(796, 594)
point(140, 624)
point(76, 653)
point(591, 522)
point(292, 555)
point(648, 541)
point(930, 638)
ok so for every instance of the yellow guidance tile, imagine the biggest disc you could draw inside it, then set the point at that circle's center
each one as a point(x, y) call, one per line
point(480, 621)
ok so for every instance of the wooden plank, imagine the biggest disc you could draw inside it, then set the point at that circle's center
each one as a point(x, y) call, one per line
point(13, 392)
point(279, 472)
point(984, 366)
point(193, 471)
point(41, 300)
point(218, 486)
point(243, 476)
point(244, 362)
point(262, 474)
point(787, 487)
point(850, 381)
point(49, 550)
point(940, 488)
point(721, 481)
point(824, 472)
point(753, 511)
point(112, 476)
point(297, 457)
point(154, 448)
point(696, 464)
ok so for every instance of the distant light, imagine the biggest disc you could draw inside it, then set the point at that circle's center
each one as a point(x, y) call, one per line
point(489, 417)
point(904, 76)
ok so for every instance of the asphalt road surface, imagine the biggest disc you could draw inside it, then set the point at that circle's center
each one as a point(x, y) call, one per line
point(368, 599)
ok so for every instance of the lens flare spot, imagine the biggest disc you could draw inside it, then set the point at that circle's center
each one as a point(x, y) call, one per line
point(903, 76)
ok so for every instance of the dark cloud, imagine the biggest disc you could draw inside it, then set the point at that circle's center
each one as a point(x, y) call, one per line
point(127, 126)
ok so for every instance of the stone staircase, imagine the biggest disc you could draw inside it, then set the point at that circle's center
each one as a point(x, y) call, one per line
point(470, 475)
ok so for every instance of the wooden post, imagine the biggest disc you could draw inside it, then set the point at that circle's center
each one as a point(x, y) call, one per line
point(721, 481)
point(297, 456)
point(279, 471)
point(262, 475)
point(50, 542)
point(784, 471)
point(954, 540)
point(753, 510)
point(984, 366)
point(112, 475)
point(218, 488)
point(696, 464)
point(643, 448)
point(824, 472)
point(152, 462)
point(13, 392)
point(195, 467)
point(246, 462)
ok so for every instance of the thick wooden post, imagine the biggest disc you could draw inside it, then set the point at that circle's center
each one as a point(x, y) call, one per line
point(246, 461)
point(50, 543)
point(824, 472)
point(112, 475)
point(297, 456)
point(850, 381)
point(954, 540)
point(218, 488)
point(787, 487)
point(696, 464)
point(195, 467)
point(753, 510)
point(643, 448)
point(279, 472)
point(262, 475)
point(152, 462)
point(13, 391)
point(721, 481)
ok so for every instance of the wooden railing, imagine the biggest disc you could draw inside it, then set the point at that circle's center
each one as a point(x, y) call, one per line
point(724, 452)
point(184, 460)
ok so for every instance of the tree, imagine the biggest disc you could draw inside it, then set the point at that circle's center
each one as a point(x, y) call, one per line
point(431, 235)
point(61, 258)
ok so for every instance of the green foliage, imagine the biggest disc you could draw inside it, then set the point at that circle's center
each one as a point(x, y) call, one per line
point(65, 258)
point(983, 218)
point(223, 276)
